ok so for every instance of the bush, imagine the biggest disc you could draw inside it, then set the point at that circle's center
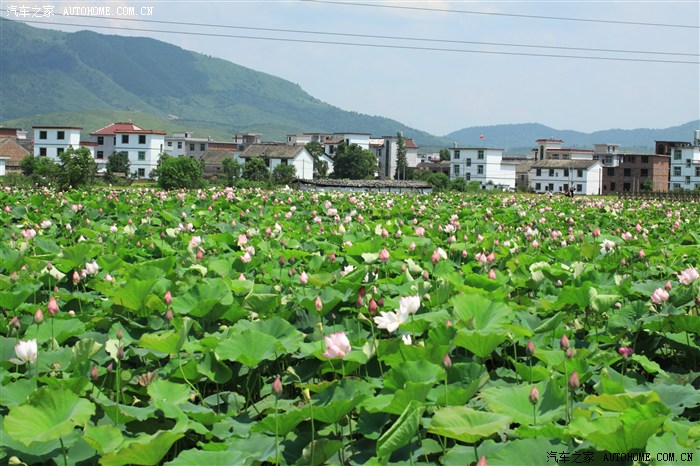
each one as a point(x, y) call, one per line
point(256, 170)
point(180, 173)
point(284, 174)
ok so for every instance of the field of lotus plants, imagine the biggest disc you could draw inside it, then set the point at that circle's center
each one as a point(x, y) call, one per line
point(229, 327)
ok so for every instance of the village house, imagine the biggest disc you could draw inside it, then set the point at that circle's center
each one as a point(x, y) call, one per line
point(282, 154)
point(143, 146)
point(684, 162)
point(51, 141)
point(386, 150)
point(13, 148)
point(559, 176)
point(482, 164)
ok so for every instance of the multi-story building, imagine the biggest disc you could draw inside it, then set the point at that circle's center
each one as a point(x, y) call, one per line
point(559, 176)
point(482, 164)
point(144, 146)
point(628, 172)
point(50, 141)
point(684, 162)
point(386, 150)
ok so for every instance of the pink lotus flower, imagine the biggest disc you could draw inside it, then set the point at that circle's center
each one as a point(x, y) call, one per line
point(303, 278)
point(277, 387)
point(492, 274)
point(337, 346)
point(318, 304)
point(573, 381)
point(659, 296)
point(625, 351)
point(482, 461)
point(38, 317)
point(195, 242)
point(688, 276)
point(92, 267)
point(168, 298)
point(564, 342)
point(245, 258)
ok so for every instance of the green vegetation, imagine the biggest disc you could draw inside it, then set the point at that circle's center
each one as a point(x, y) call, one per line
point(401, 160)
point(77, 168)
point(179, 172)
point(354, 163)
point(255, 169)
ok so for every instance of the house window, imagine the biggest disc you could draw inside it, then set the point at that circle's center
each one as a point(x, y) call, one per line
point(142, 172)
point(676, 171)
point(579, 173)
point(565, 156)
point(676, 186)
point(538, 186)
point(100, 154)
point(284, 162)
point(611, 172)
point(626, 187)
point(455, 168)
point(566, 186)
point(612, 186)
point(480, 169)
point(608, 160)
point(551, 187)
point(469, 162)
point(627, 172)
point(480, 155)
point(142, 139)
point(202, 147)
point(579, 188)
point(566, 173)
point(645, 159)
point(456, 154)
point(644, 172)
point(101, 140)
point(687, 180)
point(179, 144)
point(191, 147)
point(60, 150)
point(677, 154)
point(687, 163)
point(629, 158)
point(60, 135)
point(697, 171)
point(551, 172)
point(142, 155)
point(42, 135)
point(555, 156)
point(170, 143)
point(538, 172)
point(467, 176)
point(42, 151)
point(125, 139)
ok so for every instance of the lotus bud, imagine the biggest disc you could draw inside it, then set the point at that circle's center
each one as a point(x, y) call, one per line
point(120, 352)
point(38, 317)
point(625, 351)
point(52, 307)
point(573, 381)
point(76, 277)
point(530, 348)
point(668, 285)
point(110, 367)
point(360, 302)
point(277, 387)
point(492, 274)
point(564, 343)
point(94, 373)
point(447, 362)
point(534, 396)
point(331, 257)
point(570, 353)
point(372, 306)
point(120, 334)
point(168, 298)
point(482, 461)
point(318, 304)
point(169, 315)
point(384, 255)
point(426, 275)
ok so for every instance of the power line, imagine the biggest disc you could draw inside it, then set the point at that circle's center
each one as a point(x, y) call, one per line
point(382, 46)
point(513, 15)
point(373, 36)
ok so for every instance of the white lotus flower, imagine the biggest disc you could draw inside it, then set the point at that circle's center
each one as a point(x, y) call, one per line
point(26, 352)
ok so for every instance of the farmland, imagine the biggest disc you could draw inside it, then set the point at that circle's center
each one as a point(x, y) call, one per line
point(246, 327)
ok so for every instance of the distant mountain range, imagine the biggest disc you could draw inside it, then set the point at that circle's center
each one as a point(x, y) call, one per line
point(90, 80)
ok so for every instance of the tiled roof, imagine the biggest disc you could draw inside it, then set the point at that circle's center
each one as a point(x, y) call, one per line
point(140, 131)
point(410, 144)
point(571, 164)
point(114, 127)
point(272, 151)
point(215, 157)
point(56, 127)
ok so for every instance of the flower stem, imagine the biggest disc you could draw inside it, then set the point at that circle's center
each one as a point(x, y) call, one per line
point(277, 440)
point(566, 392)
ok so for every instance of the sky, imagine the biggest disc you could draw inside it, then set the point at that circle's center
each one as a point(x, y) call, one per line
point(440, 66)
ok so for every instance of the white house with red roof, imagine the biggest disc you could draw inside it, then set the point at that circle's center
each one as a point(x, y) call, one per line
point(144, 146)
point(50, 141)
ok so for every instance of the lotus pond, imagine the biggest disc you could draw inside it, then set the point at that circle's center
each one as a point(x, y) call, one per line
point(249, 327)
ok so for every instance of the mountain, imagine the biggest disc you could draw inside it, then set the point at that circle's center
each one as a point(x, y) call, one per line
point(522, 137)
point(83, 76)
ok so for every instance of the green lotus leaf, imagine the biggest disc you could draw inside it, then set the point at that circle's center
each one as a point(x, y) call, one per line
point(466, 424)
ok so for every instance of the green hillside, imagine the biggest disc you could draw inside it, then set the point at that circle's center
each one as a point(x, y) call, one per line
point(90, 79)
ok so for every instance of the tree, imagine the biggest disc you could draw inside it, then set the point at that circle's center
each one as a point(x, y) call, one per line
point(444, 154)
point(440, 181)
point(232, 171)
point(180, 172)
point(354, 162)
point(320, 166)
point(42, 170)
point(78, 167)
point(284, 174)
point(118, 162)
point(401, 161)
point(255, 169)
